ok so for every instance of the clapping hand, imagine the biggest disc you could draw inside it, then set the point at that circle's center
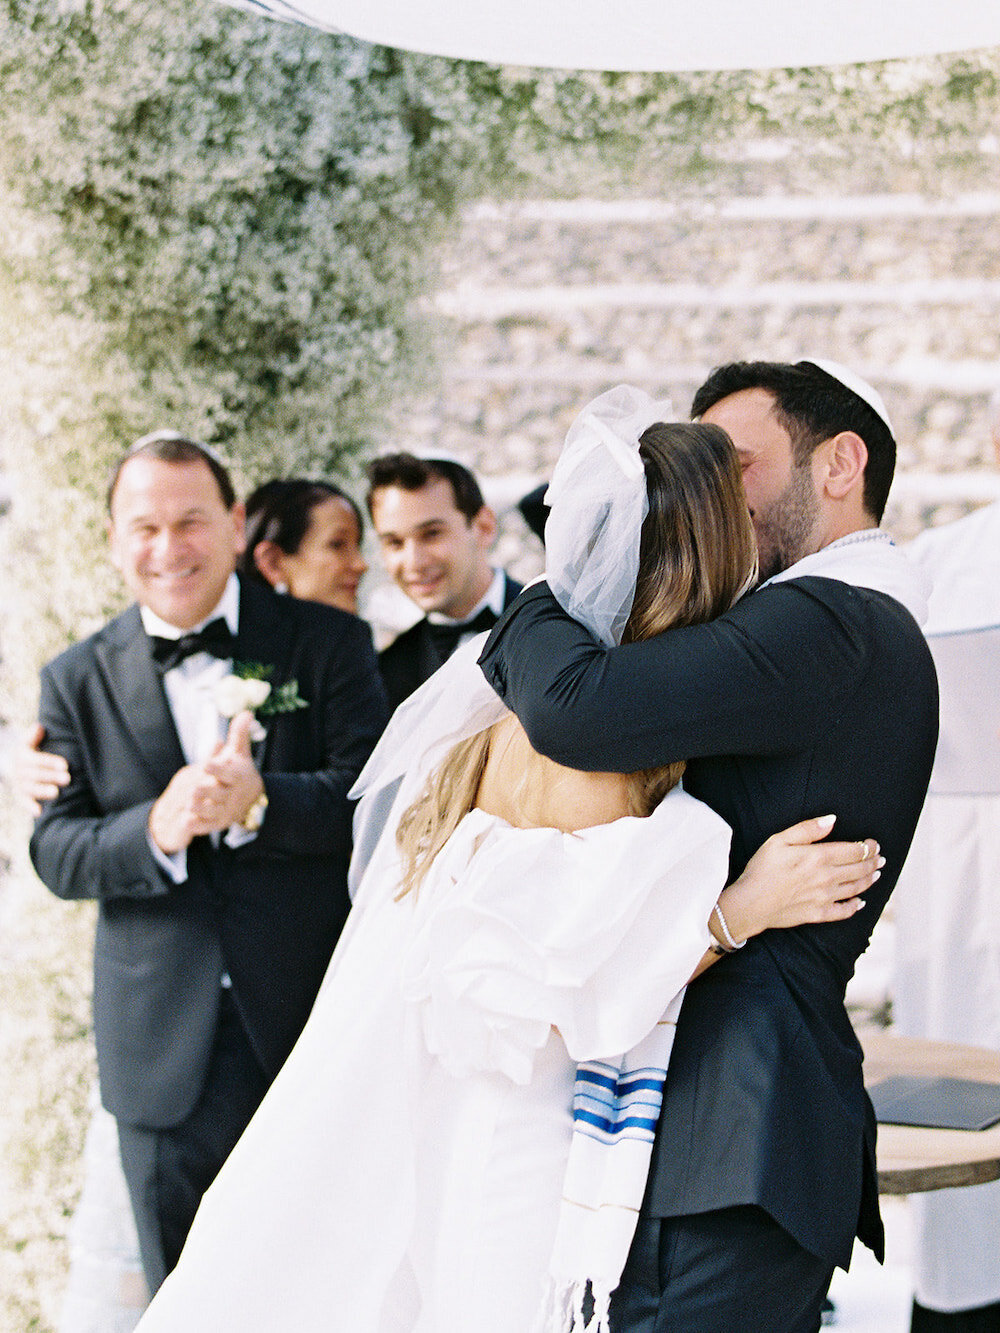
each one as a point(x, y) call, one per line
point(209, 797)
point(233, 768)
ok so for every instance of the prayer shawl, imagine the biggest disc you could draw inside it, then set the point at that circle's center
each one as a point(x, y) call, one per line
point(866, 559)
point(616, 1107)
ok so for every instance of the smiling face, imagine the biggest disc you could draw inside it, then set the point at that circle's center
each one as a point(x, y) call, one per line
point(434, 553)
point(173, 540)
point(782, 496)
point(328, 565)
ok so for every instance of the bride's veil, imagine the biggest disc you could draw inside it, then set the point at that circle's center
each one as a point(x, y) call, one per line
point(597, 498)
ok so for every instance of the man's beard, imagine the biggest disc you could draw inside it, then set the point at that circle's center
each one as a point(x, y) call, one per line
point(784, 531)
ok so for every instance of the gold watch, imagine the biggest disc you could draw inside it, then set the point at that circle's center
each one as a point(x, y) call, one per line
point(254, 817)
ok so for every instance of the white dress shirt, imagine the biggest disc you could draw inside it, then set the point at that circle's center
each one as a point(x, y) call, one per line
point(493, 599)
point(189, 688)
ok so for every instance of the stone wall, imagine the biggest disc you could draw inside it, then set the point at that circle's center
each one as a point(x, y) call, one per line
point(543, 304)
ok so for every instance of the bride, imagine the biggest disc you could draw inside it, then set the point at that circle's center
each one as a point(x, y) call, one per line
point(460, 1138)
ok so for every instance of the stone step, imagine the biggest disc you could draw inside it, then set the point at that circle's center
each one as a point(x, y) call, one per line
point(471, 301)
point(918, 374)
point(584, 212)
point(885, 239)
point(938, 418)
point(957, 343)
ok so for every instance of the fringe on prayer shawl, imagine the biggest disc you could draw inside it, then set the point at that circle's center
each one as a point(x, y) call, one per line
point(563, 1309)
point(616, 1106)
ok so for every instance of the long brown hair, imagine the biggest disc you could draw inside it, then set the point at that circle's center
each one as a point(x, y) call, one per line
point(697, 553)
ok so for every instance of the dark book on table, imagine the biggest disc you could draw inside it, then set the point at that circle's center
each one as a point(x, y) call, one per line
point(936, 1103)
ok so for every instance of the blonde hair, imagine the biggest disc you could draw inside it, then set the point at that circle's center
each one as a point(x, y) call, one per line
point(697, 554)
point(448, 796)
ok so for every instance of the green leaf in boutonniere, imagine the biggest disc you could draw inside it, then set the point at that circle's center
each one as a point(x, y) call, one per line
point(285, 699)
point(248, 687)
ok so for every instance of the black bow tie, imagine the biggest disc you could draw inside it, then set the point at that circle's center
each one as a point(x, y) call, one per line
point(445, 637)
point(214, 638)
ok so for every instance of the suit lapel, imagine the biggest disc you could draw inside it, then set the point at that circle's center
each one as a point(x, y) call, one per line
point(135, 685)
point(510, 590)
point(263, 637)
point(428, 657)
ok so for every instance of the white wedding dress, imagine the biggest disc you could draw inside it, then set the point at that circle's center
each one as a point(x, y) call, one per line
point(404, 1173)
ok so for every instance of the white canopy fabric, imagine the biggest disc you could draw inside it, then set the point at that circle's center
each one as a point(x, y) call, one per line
point(656, 34)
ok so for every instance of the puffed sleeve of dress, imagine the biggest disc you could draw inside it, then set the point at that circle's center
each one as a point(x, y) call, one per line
point(519, 931)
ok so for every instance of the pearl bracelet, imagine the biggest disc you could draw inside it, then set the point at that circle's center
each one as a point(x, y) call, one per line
point(726, 935)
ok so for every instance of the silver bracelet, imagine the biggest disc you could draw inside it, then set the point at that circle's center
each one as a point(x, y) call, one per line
point(733, 945)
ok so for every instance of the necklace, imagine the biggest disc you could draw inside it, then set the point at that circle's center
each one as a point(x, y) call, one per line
point(865, 535)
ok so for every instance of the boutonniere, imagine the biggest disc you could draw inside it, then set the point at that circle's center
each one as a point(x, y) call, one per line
point(248, 688)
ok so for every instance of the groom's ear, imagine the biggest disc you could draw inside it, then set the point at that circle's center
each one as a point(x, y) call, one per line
point(845, 457)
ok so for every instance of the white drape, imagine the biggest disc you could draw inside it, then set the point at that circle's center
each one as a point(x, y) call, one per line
point(947, 901)
point(657, 34)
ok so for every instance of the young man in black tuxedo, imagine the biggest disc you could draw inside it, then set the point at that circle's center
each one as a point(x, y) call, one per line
point(435, 532)
point(814, 695)
point(218, 861)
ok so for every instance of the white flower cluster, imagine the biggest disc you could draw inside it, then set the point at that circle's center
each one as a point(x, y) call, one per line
point(234, 694)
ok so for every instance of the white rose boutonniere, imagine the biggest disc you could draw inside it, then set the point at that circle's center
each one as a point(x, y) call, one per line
point(233, 694)
point(248, 688)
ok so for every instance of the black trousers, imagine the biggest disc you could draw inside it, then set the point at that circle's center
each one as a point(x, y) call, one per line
point(730, 1271)
point(168, 1170)
point(982, 1319)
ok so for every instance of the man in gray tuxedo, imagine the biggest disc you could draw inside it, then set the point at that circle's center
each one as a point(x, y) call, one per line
point(218, 856)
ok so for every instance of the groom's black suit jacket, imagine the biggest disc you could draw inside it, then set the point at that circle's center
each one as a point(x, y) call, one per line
point(267, 913)
point(809, 697)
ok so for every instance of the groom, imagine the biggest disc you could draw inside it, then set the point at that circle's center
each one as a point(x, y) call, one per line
point(220, 877)
point(815, 694)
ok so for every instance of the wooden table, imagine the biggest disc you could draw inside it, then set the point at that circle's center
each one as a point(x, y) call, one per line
point(912, 1159)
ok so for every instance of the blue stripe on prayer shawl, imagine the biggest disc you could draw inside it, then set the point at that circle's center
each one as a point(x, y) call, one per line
point(587, 1074)
point(611, 1108)
point(614, 1126)
point(640, 1084)
point(618, 1105)
point(594, 1081)
point(615, 1111)
point(610, 1076)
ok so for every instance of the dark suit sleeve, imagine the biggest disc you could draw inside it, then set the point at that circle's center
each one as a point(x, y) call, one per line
point(534, 511)
point(766, 676)
point(308, 812)
point(78, 850)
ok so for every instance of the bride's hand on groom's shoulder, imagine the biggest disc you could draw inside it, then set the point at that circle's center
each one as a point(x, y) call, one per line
point(796, 878)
